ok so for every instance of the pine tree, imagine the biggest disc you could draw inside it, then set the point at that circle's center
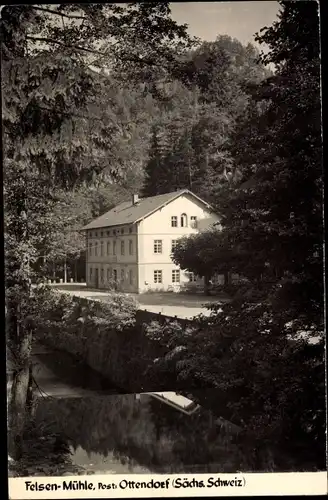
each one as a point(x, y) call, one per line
point(154, 182)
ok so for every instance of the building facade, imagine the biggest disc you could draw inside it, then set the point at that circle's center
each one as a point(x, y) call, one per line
point(129, 248)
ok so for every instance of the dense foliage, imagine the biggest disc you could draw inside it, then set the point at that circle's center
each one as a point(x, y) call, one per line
point(190, 139)
point(58, 130)
point(102, 100)
point(265, 350)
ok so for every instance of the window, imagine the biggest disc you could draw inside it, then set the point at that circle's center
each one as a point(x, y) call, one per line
point(114, 247)
point(130, 230)
point(101, 233)
point(131, 276)
point(122, 274)
point(158, 276)
point(193, 221)
point(158, 246)
point(122, 231)
point(90, 249)
point(108, 247)
point(122, 247)
point(114, 232)
point(108, 273)
point(174, 244)
point(192, 277)
point(96, 248)
point(130, 247)
point(102, 275)
point(91, 275)
point(101, 248)
point(96, 234)
point(183, 220)
point(174, 221)
point(108, 233)
point(115, 274)
point(176, 276)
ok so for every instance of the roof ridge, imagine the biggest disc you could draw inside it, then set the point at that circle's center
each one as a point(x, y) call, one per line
point(128, 213)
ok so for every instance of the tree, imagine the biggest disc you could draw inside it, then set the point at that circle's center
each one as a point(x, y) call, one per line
point(209, 95)
point(203, 254)
point(268, 342)
point(56, 133)
point(154, 181)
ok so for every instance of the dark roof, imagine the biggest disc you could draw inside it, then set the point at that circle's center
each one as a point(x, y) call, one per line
point(127, 213)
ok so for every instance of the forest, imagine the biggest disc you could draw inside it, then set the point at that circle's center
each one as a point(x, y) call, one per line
point(104, 100)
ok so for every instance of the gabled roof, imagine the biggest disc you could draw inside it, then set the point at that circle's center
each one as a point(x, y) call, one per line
point(127, 213)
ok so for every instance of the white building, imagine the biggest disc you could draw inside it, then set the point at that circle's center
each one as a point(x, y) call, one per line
point(130, 246)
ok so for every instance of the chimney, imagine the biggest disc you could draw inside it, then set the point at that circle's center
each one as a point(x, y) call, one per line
point(135, 199)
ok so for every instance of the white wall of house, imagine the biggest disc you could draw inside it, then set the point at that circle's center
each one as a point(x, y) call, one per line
point(112, 252)
point(139, 256)
point(156, 234)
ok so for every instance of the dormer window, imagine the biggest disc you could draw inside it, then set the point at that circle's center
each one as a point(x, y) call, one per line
point(183, 220)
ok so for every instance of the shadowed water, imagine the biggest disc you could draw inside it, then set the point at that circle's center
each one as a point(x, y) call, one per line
point(125, 434)
point(88, 423)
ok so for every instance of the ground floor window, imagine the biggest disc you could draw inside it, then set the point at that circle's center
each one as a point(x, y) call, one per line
point(90, 273)
point(176, 276)
point(102, 275)
point(158, 276)
point(109, 272)
point(192, 277)
point(131, 276)
point(122, 274)
point(115, 274)
point(173, 244)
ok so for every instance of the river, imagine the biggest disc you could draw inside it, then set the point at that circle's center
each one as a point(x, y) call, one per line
point(99, 430)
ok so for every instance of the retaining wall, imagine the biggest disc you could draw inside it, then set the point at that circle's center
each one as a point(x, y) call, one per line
point(123, 355)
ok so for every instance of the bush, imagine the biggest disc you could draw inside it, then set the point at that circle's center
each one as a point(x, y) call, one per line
point(262, 381)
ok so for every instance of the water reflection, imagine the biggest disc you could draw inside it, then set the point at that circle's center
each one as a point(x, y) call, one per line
point(126, 434)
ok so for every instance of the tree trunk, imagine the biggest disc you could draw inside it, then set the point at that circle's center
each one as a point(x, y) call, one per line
point(53, 271)
point(65, 271)
point(207, 285)
point(19, 393)
point(75, 271)
point(30, 399)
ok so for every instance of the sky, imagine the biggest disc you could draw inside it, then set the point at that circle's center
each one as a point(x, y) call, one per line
point(239, 20)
